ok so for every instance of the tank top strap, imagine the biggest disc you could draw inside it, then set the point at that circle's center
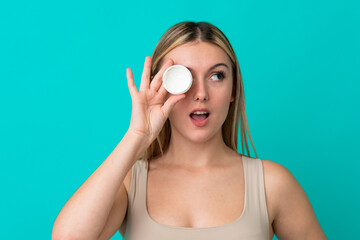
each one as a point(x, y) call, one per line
point(136, 195)
point(255, 189)
point(137, 188)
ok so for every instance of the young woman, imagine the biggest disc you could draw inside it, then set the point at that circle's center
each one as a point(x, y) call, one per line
point(176, 174)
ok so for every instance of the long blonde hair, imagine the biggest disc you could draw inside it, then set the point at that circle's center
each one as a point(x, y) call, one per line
point(185, 32)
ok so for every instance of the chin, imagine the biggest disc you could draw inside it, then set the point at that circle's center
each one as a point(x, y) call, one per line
point(199, 137)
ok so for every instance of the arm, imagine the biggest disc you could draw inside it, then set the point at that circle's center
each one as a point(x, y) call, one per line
point(98, 207)
point(85, 213)
point(293, 215)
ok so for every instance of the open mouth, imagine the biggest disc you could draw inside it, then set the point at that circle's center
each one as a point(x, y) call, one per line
point(199, 115)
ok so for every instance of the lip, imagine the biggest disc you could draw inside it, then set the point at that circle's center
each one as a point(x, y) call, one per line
point(203, 122)
point(200, 109)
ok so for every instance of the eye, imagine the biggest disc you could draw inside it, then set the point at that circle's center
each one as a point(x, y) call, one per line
point(219, 76)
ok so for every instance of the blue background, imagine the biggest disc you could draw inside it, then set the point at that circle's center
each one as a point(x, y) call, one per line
point(65, 104)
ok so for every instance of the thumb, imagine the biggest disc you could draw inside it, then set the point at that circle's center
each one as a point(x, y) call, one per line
point(170, 103)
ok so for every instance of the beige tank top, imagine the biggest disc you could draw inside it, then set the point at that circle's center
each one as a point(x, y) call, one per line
point(253, 224)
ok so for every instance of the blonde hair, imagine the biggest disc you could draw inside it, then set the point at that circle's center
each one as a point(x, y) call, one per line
point(185, 32)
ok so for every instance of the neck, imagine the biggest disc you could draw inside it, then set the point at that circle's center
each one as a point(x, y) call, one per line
point(189, 154)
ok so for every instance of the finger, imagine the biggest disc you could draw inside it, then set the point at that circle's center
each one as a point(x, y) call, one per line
point(162, 91)
point(170, 103)
point(156, 82)
point(130, 82)
point(145, 77)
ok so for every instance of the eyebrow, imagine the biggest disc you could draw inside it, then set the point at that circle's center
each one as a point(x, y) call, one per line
point(215, 66)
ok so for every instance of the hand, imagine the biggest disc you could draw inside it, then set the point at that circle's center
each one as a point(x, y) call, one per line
point(149, 108)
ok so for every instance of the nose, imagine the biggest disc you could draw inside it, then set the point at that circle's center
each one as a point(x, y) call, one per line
point(200, 91)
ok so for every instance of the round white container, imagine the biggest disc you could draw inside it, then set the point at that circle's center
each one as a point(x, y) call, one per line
point(177, 79)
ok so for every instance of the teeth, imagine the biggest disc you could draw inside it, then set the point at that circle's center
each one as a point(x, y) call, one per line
point(199, 112)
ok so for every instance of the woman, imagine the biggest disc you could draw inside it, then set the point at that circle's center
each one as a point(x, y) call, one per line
point(190, 181)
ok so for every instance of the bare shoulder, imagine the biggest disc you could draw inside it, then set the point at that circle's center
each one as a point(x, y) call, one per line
point(127, 180)
point(275, 170)
point(278, 178)
point(290, 211)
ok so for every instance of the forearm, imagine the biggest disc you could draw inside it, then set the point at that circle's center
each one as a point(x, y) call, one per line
point(86, 212)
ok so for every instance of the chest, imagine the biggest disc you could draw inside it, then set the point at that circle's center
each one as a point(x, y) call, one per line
point(205, 199)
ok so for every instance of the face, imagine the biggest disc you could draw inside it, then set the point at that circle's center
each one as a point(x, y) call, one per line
point(200, 115)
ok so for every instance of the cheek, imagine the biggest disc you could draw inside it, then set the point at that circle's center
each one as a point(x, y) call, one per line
point(224, 95)
point(223, 103)
point(223, 110)
point(177, 111)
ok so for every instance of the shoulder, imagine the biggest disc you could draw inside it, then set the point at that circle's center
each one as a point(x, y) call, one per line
point(278, 177)
point(289, 208)
point(127, 181)
point(280, 185)
point(272, 167)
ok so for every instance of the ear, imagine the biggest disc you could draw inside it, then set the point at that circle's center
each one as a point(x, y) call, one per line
point(232, 99)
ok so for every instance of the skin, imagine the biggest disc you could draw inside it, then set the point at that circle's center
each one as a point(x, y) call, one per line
point(199, 182)
point(200, 165)
point(206, 92)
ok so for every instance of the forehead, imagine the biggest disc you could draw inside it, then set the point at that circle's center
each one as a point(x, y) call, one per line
point(198, 55)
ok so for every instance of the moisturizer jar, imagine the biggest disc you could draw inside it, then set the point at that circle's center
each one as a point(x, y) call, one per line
point(177, 79)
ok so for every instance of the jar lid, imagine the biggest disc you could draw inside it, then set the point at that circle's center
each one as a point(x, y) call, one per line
point(177, 79)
